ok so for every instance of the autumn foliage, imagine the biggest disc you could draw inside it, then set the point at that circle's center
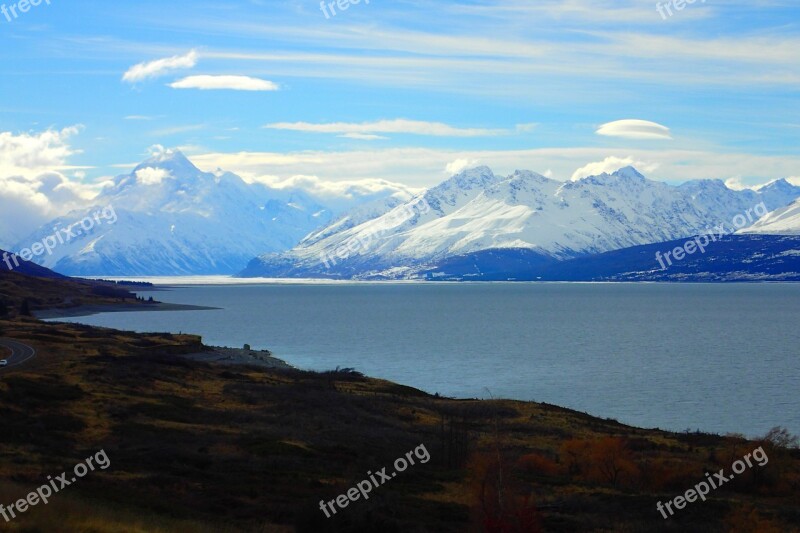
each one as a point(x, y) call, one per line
point(501, 502)
point(606, 461)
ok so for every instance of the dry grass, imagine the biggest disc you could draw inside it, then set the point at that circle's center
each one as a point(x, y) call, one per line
point(195, 447)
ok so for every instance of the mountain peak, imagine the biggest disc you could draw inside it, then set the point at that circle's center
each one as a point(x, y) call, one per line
point(171, 159)
point(704, 184)
point(480, 171)
point(630, 173)
point(529, 175)
point(471, 178)
point(779, 184)
point(624, 174)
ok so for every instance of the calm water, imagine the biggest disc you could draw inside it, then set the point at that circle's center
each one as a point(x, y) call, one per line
point(720, 358)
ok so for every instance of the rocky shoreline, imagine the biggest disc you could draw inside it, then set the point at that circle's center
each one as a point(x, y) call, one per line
point(239, 356)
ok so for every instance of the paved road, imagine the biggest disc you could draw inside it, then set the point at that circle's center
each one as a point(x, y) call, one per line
point(20, 353)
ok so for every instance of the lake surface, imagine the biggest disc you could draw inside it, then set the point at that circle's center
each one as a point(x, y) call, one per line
point(720, 358)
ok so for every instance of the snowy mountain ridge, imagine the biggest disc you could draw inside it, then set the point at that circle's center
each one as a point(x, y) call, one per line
point(174, 219)
point(475, 211)
point(783, 221)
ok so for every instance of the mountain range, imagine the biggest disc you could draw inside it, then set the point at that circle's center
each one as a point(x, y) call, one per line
point(167, 217)
point(170, 218)
point(524, 219)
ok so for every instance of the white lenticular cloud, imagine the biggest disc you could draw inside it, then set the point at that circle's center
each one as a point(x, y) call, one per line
point(635, 129)
point(159, 67)
point(233, 83)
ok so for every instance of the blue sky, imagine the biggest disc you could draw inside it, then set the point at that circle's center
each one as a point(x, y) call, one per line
point(403, 91)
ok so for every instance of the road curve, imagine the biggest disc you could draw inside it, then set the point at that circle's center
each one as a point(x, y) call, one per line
point(20, 353)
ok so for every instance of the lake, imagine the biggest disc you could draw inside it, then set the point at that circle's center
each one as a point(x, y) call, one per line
point(715, 357)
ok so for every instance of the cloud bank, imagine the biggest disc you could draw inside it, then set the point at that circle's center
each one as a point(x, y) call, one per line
point(33, 187)
point(413, 127)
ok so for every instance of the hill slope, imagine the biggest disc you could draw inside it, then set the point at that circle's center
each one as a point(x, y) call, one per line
point(198, 447)
point(732, 258)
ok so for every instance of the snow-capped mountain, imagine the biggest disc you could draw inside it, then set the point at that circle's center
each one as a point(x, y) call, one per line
point(476, 210)
point(170, 218)
point(359, 215)
point(783, 221)
point(778, 192)
point(379, 220)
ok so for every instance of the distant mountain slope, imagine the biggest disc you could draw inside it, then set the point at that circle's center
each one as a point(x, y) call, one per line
point(477, 211)
point(10, 262)
point(716, 195)
point(784, 221)
point(733, 258)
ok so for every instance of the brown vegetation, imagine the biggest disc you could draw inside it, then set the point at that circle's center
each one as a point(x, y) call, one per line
point(200, 447)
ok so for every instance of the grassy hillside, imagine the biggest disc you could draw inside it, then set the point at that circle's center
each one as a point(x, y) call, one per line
point(196, 447)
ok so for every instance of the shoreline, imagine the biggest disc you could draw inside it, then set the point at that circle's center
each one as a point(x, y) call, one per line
point(221, 355)
point(94, 309)
point(167, 283)
point(228, 356)
point(240, 356)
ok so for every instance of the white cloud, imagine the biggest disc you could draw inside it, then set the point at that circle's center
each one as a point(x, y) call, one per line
point(26, 204)
point(414, 127)
point(736, 184)
point(30, 154)
point(177, 129)
point(32, 188)
point(456, 166)
point(138, 117)
point(571, 60)
point(23, 209)
point(152, 175)
point(234, 83)
point(794, 180)
point(634, 129)
point(602, 11)
point(159, 67)
point(612, 164)
point(364, 136)
point(156, 150)
point(333, 190)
